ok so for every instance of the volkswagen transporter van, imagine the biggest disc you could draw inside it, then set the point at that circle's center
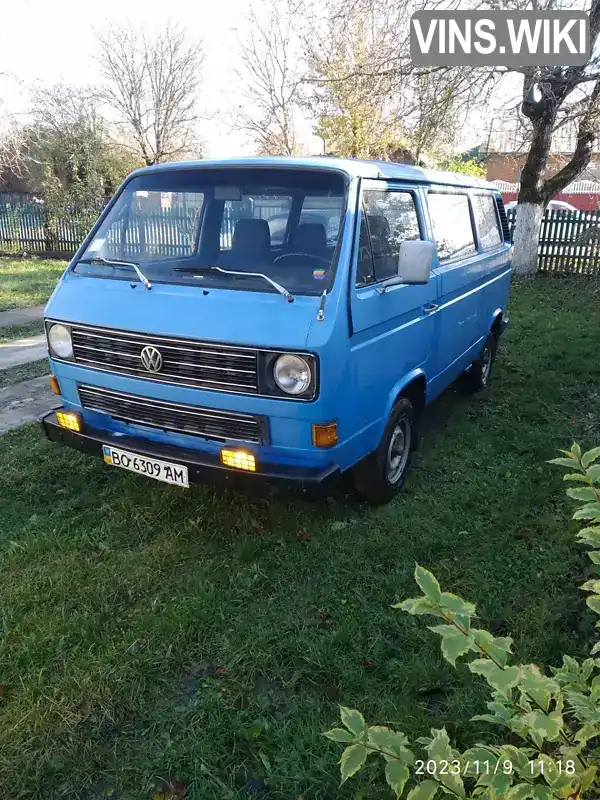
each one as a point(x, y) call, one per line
point(289, 318)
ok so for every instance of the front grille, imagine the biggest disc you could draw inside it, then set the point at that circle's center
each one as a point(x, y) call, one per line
point(210, 423)
point(184, 361)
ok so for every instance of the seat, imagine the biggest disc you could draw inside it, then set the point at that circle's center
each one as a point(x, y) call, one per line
point(310, 239)
point(250, 246)
point(383, 260)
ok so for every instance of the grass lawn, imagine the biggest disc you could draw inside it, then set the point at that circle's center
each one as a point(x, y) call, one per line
point(149, 632)
point(10, 332)
point(24, 372)
point(27, 282)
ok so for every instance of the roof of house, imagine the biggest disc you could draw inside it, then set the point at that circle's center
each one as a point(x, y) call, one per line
point(354, 167)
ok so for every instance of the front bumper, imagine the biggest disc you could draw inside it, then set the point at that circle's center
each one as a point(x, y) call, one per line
point(202, 467)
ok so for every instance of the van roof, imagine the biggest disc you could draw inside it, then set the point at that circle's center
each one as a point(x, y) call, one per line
point(354, 167)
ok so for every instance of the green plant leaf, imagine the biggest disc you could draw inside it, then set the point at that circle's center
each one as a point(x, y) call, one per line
point(389, 741)
point(590, 536)
point(592, 585)
point(500, 784)
point(354, 721)
point(588, 776)
point(426, 790)
point(457, 606)
point(589, 511)
point(418, 605)
point(428, 584)
point(454, 642)
point(501, 680)
point(545, 726)
point(594, 603)
point(537, 685)
point(520, 792)
point(396, 774)
point(564, 462)
point(589, 457)
point(595, 649)
point(497, 647)
point(352, 760)
point(541, 792)
point(340, 735)
point(575, 476)
point(586, 494)
point(439, 749)
point(593, 473)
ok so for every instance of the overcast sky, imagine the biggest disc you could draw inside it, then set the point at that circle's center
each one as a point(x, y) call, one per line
point(53, 40)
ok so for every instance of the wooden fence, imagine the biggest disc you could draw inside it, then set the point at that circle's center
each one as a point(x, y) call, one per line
point(569, 240)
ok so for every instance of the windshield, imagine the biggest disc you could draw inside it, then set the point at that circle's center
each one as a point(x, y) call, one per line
point(284, 223)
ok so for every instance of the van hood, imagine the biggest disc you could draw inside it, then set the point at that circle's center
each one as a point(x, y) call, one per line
point(262, 319)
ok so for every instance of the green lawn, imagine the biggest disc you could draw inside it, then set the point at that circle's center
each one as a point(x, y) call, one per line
point(150, 633)
point(27, 282)
point(10, 332)
point(24, 372)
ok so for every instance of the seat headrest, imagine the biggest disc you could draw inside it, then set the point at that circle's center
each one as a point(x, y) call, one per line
point(251, 235)
point(378, 226)
point(310, 238)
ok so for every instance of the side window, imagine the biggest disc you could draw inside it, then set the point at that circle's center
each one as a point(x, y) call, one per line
point(452, 228)
point(391, 219)
point(365, 272)
point(486, 219)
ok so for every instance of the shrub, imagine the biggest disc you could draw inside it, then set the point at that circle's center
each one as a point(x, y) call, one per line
point(549, 718)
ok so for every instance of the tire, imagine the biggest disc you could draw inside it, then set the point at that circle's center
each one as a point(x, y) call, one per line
point(380, 476)
point(478, 377)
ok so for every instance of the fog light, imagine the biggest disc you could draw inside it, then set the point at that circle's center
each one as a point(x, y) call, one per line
point(69, 420)
point(239, 459)
point(325, 435)
point(54, 385)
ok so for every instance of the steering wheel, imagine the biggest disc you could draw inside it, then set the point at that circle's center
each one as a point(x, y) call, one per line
point(304, 255)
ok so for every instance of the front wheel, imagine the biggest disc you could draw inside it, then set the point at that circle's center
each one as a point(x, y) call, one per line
point(381, 475)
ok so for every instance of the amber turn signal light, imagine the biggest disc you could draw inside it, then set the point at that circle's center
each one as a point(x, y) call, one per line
point(70, 420)
point(325, 435)
point(54, 385)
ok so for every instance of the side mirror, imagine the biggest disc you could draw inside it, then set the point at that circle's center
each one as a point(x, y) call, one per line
point(414, 264)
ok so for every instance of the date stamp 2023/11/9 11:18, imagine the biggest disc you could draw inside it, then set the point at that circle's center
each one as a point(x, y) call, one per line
point(476, 767)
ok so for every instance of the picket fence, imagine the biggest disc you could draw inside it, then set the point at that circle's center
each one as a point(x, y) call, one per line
point(569, 240)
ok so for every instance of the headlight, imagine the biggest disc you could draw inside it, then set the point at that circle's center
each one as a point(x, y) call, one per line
point(60, 342)
point(292, 374)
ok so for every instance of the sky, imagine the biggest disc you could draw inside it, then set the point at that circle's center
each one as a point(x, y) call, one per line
point(54, 41)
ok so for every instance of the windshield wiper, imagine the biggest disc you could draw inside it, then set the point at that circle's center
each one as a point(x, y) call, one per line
point(281, 289)
point(112, 263)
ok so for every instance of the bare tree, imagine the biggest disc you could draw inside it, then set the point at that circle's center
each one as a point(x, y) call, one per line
point(553, 97)
point(372, 100)
point(270, 80)
point(152, 85)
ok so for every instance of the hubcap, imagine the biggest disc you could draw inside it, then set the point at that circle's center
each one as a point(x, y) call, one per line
point(398, 451)
point(486, 363)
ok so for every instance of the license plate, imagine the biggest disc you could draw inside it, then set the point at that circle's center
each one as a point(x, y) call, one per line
point(164, 471)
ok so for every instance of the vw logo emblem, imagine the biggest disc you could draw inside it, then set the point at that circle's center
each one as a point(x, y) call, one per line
point(151, 359)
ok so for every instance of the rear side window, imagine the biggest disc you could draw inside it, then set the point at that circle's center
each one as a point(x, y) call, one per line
point(486, 220)
point(391, 218)
point(452, 228)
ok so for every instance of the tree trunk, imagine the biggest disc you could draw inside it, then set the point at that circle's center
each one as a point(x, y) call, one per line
point(526, 238)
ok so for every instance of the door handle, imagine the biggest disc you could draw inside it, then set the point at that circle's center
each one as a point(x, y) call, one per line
point(429, 309)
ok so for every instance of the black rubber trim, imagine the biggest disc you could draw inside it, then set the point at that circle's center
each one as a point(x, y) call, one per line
point(202, 467)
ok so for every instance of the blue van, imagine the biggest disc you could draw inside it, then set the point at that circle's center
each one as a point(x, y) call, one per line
point(286, 317)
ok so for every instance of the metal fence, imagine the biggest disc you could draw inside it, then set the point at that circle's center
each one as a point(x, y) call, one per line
point(569, 240)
